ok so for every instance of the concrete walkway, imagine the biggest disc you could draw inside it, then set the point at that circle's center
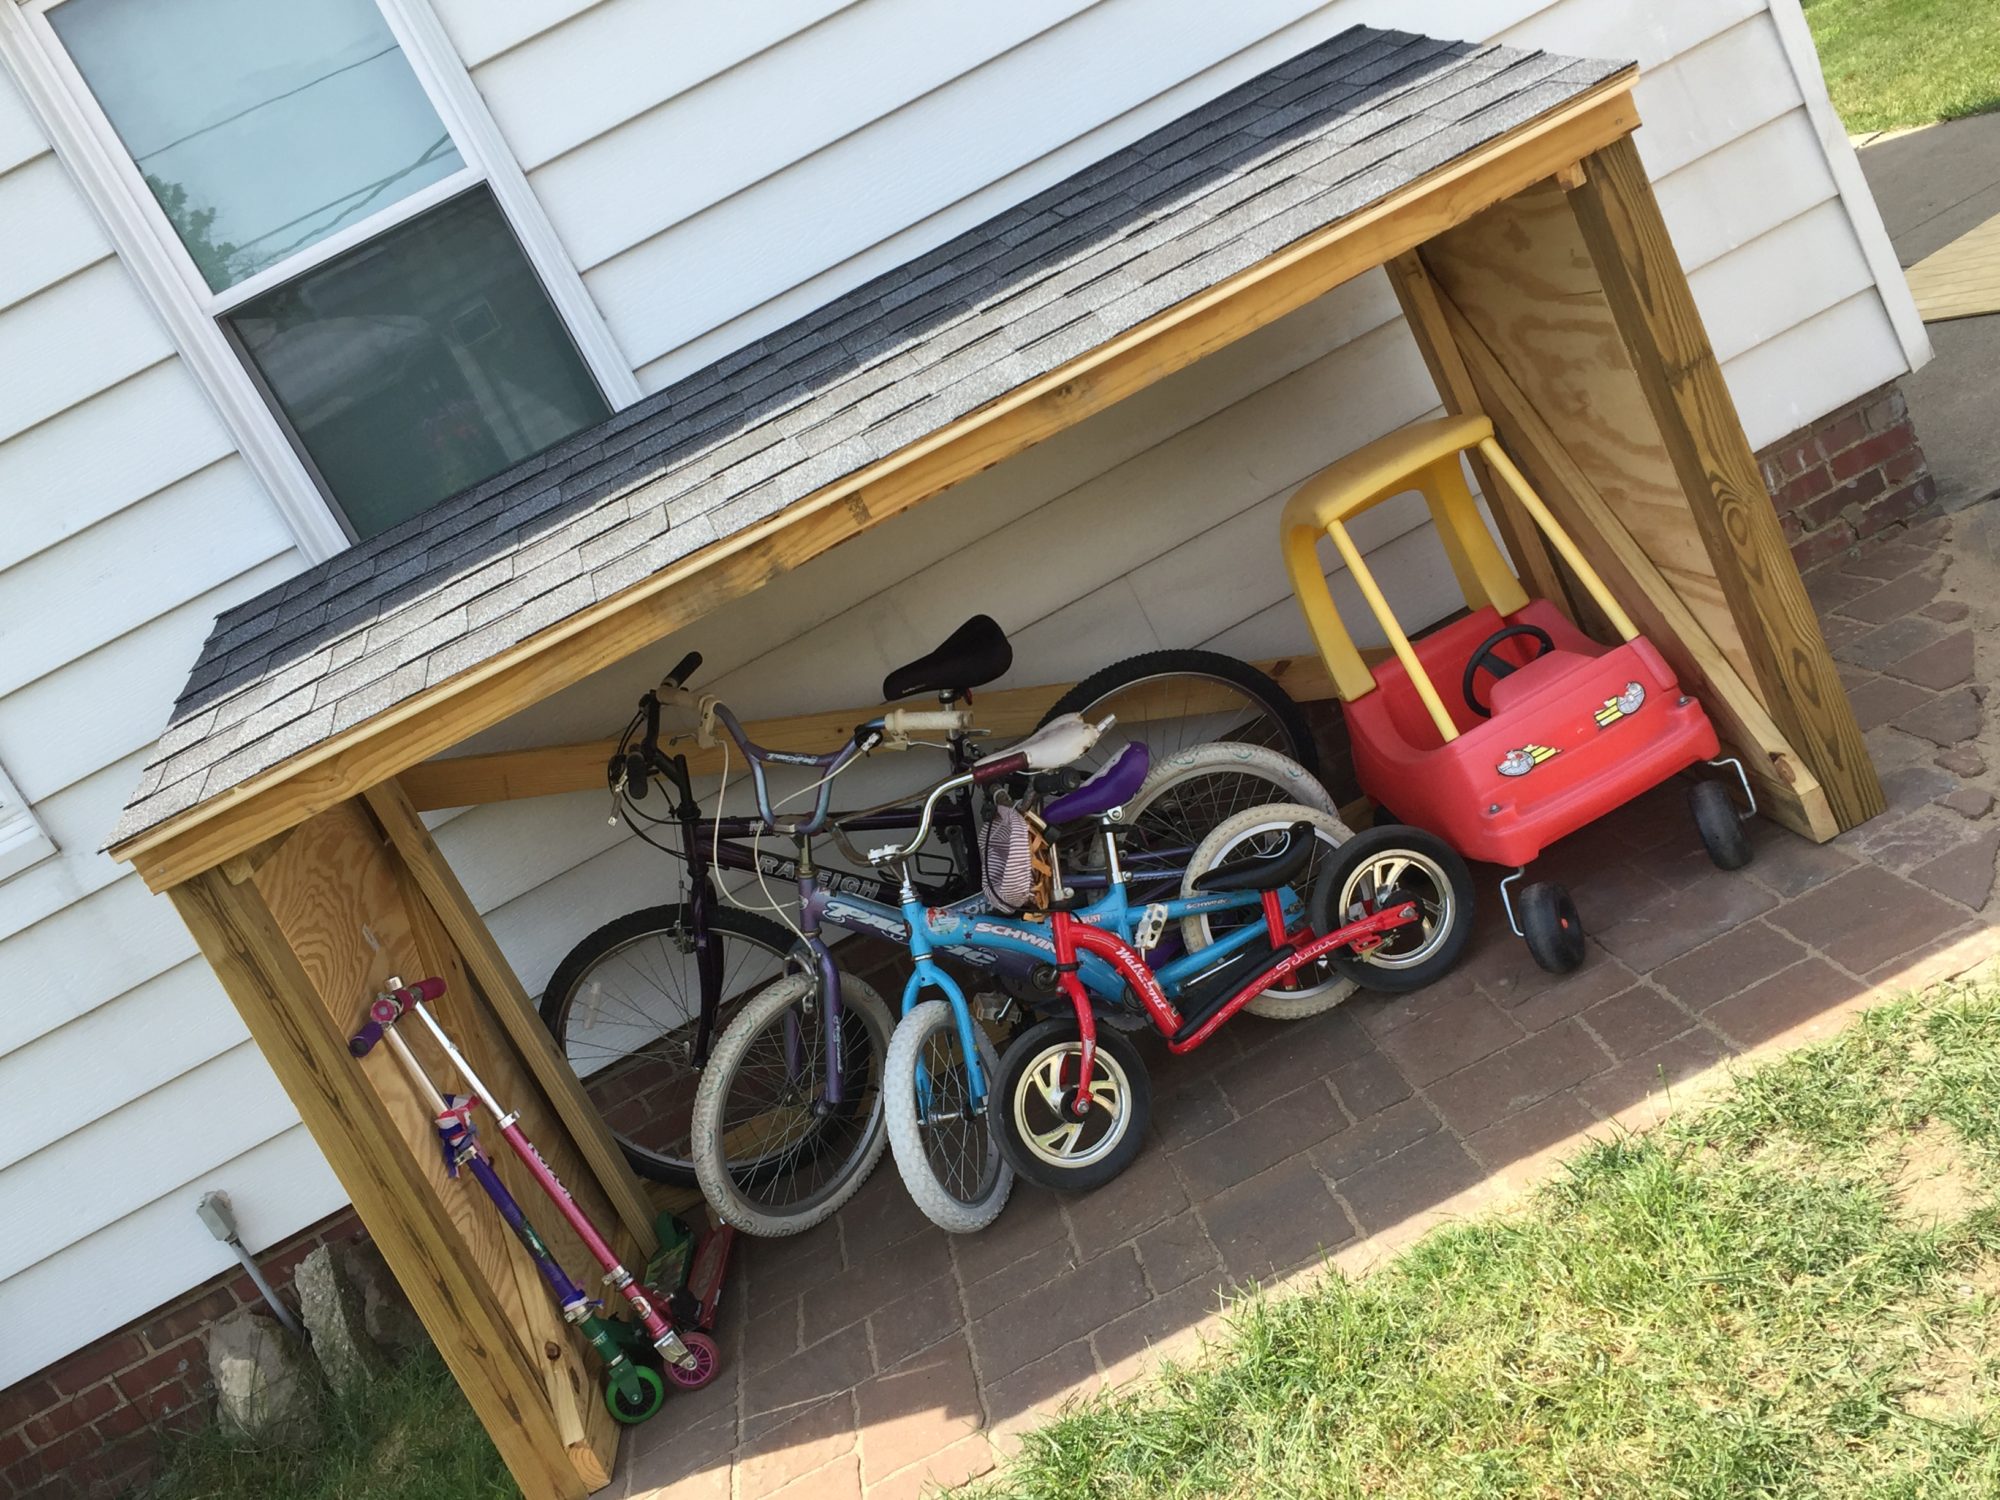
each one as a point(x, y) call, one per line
point(876, 1356)
point(1933, 185)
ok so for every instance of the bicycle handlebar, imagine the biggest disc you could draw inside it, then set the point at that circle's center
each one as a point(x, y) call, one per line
point(685, 668)
point(1056, 743)
point(385, 1010)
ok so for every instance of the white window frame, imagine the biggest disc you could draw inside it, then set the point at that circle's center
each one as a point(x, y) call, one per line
point(24, 843)
point(146, 241)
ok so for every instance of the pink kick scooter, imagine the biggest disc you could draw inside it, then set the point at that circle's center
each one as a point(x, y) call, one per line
point(689, 1356)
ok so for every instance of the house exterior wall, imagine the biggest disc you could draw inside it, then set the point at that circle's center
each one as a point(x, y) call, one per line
point(714, 171)
point(127, 1082)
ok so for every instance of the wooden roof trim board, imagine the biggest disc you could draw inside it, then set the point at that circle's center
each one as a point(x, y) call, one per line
point(447, 713)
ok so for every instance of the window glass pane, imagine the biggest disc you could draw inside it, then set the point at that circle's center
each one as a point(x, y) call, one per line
point(261, 127)
point(419, 363)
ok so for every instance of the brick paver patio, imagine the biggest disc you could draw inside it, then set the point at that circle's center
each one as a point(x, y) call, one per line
point(876, 1356)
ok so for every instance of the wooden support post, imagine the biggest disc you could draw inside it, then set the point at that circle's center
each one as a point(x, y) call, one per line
point(369, 1153)
point(1533, 562)
point(1683, 383)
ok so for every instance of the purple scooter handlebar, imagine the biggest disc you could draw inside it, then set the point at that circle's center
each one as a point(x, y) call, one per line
point(386, 1010)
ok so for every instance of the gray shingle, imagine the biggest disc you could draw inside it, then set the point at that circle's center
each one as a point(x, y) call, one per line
point(1216, 190)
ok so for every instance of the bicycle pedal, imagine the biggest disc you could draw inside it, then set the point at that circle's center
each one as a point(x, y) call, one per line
point(989, 1005)
point(1152, 926)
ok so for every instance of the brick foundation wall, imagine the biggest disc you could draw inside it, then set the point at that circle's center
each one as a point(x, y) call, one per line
point(1848, 475)
point(91, 1425)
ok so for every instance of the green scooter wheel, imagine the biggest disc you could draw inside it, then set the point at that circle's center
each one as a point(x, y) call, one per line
point(652, 1396)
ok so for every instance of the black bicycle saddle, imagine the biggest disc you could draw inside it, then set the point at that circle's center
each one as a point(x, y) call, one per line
point(972, 656)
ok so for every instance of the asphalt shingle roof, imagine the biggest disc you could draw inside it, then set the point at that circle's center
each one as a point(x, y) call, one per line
point(1216, 191)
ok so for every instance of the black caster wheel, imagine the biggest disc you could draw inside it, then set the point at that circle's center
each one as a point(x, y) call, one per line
point(1716, 820)
point(1550, 924)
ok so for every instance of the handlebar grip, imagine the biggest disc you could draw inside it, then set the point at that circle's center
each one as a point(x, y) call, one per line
point(998, 767)
point(386, 1010)
point(685, 668)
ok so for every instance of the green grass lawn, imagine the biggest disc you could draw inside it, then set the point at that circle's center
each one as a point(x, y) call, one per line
point(1795, 1292)
point(410, 1436)
point(1908, 62)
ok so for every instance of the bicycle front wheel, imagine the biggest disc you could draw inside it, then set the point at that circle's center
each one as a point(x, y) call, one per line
point(625, 1008)
point(773, 1156)
point(947, 1146)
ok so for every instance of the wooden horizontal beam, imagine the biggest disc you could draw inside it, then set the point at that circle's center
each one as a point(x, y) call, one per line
point(550, 770)
point(443, 716)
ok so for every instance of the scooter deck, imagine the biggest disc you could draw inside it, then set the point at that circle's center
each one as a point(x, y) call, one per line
point(705, 1277)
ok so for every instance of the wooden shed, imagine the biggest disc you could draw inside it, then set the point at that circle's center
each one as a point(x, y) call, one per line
point(1502, 191)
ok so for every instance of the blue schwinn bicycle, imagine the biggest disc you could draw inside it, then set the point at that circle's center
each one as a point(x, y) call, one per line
point(1067, 1106)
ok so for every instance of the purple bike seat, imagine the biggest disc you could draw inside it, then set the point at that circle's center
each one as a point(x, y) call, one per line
point(1111, 786)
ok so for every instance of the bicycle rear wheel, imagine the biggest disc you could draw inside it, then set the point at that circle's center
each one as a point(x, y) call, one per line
point(1265, 830)
point(772, 1155)
point(1193, 792)
point(624, 1008)
point(948, 1154)
point(1175, 699)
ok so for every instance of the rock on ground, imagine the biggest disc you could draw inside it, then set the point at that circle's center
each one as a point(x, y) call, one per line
point(391, 1322)
point(264, 1382)
point(332, 1311)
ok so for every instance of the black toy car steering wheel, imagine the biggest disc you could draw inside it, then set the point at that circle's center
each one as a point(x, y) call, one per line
point(1484, 657)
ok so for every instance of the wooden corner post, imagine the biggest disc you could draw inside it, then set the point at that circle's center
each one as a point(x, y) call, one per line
point(1704, 440)
point(303, 934)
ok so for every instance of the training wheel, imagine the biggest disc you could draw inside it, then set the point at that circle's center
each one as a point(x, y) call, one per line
point(707, 1362)
point(1551, 926)
point(1718, 823)
point(652, 1395)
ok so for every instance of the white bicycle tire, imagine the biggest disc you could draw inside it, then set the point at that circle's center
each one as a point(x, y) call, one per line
point(711, 1166)
point(1273, 1005)
point(899, 1087)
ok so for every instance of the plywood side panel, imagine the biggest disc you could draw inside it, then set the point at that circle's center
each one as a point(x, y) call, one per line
point(1522, 276)
point(1416, 293)
point(1787, 787)
point(279, 1002)
point(1683, 384)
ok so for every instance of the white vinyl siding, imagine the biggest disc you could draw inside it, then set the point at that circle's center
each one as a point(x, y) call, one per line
point(715, 171)
point(127, 1082)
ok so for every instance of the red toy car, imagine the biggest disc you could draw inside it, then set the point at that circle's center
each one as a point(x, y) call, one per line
point(1540, 729)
